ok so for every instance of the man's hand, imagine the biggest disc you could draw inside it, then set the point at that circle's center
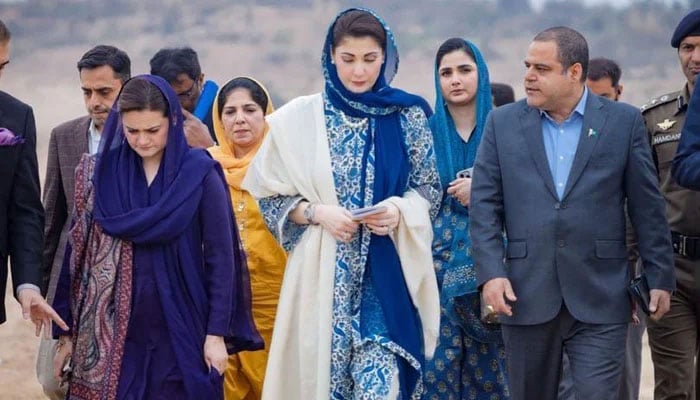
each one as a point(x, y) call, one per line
point(34, 307)
point(659, 303)
point(495, 292)
point(196, 132)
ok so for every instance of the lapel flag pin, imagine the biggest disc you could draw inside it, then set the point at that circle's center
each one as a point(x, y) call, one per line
point(592, 132)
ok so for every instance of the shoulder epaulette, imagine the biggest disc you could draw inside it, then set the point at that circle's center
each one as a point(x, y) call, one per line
point(657, 101)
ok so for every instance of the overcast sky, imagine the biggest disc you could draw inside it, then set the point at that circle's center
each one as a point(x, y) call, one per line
point(537, 4)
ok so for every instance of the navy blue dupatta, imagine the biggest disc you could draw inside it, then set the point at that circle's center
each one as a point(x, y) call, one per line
point(383, 105)
point(158, 219)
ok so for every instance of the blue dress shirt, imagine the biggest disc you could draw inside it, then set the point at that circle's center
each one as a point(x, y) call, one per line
point(561, 142)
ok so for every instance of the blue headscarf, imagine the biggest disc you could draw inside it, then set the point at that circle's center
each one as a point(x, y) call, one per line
point(156, 218)
point(383, 105)
point(382, 100)
point(452, 153)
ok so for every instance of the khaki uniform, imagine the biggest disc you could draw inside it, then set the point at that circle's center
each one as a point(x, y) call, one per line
point(674, 339)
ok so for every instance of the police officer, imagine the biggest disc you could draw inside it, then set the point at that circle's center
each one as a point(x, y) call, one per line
point(674, 339)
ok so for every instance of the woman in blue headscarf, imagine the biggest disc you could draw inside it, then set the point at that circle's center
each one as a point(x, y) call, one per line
point(359, 308)
point(157, 287)
point(469, 362)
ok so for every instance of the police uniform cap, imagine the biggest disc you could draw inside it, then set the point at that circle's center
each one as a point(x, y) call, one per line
point(689, 26)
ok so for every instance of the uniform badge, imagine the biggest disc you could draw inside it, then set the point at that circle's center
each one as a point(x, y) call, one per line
point(666, 124)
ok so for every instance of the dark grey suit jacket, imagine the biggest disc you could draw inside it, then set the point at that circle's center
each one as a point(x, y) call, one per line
point(67, 144)
point(570, 250)
point(21, 214)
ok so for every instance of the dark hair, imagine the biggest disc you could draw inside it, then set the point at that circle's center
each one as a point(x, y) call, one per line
point(138, 94)
point(450, 45)
point(599, 68)
point(110, 56)
point(357, 24)
point(256, 92)
point(572, 47)
point(5, 34)
point(171, 62)
point(502, 94)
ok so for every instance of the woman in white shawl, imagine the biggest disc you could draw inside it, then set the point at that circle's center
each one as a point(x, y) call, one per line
point(359, 307)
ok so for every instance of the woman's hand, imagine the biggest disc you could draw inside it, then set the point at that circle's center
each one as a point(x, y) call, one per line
point(215, 353)
point(385, 222)
point(63, 351)
point(337, 221)
point(461, 189)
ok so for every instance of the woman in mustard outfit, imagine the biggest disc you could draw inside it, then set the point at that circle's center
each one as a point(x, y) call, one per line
point(239, 125)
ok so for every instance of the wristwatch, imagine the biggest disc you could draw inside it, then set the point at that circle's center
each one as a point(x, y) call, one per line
point(309, 213)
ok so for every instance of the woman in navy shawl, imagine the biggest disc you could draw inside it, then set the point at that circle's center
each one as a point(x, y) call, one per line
point(469, 361)
point(157, 289)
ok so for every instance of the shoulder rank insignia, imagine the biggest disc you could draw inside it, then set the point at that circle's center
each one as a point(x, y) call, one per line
point(657, 101)
point(666, 124)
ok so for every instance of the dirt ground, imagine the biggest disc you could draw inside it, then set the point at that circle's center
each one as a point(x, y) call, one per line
point(18, 348)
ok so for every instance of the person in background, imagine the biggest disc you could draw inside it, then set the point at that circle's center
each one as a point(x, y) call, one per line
point(469, 361)
point(604, 78)
point(102, 72)
point(180, 67)
point(502, 93)
point(239, 123)
point(21, 213)
point(674, 340)
point(174, 295)
point(547, 172)
point(359, 308)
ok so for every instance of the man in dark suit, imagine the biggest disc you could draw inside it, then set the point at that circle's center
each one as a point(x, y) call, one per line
point(103, 70)
point(21, 213)
point(603, 79)
point(554, 171)
point(686, 164)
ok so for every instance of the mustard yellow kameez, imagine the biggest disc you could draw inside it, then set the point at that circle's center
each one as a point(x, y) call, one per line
point(245, 372)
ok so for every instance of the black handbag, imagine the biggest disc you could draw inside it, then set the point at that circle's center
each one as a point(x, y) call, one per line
point(639, 290)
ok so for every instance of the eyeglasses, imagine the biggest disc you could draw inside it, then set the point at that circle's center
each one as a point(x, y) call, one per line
point(188, 93)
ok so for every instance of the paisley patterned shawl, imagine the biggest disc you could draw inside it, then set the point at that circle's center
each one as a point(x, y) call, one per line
point(100, 267)
point(115, 211)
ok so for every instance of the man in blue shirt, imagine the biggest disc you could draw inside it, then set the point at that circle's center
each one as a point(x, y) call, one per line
point(180, 67)
point(554, 171)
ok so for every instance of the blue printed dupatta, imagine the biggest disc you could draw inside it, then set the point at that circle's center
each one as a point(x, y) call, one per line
point(459, 287)
point(383, 104)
